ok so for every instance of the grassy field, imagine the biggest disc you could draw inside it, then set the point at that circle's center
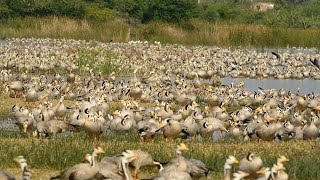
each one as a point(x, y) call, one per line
point(195, 32)
point(46, 157)
point(54, 154)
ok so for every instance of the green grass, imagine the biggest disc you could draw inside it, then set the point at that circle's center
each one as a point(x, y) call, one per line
point(101, 61)
point(195, 32)
point(61, 152)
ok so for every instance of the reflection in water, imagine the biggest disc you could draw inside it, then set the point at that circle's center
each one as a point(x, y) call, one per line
point(306, 86)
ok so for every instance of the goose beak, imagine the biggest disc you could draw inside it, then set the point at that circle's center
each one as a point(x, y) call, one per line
point(162, 124)
point(235, 161)
point(183, 147)
point(100, 150)
point(261, 171)
point(284, 159)
point(24, 127)
point(246, 174)
point(195, 105)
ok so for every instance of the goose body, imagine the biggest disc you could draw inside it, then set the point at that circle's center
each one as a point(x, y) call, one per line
point(171, 129)
point(5, 175)
point(176, 169)
point(44, 128)
point(310, 131)
point(251, 164)
point(82, 171)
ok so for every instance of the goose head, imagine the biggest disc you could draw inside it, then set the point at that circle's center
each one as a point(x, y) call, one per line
point(182, 148)
point(21, 161)
point(98, 150)
point(282, 159)
point(129, 156)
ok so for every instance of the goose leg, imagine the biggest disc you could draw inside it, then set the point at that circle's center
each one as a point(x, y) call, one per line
point(135, 173)
point(142, 140)
point(220, 133)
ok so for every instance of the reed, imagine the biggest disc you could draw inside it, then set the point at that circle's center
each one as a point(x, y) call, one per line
point(194, 32)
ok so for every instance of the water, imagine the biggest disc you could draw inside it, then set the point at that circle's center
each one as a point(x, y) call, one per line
point(311, 51)
point(3, 42)
point(305, 86)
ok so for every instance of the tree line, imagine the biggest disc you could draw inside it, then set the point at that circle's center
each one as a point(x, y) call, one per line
point(290, 13)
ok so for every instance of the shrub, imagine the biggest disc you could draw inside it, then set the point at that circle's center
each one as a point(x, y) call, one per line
point(21, 7)
point(75, 8)
point(169, 10)
point(93, 11)
point(4, 10)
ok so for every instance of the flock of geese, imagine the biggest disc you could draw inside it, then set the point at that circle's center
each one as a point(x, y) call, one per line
point(174, 92)
point(179, 168)
point(192, 62)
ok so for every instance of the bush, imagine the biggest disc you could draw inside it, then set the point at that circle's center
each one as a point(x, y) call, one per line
point(169, 10)
point(93, 11)
point(42, 8)
point(74, 8)
point(133, 8)
point(220, 11)
point(4, 10)
point(21, 7)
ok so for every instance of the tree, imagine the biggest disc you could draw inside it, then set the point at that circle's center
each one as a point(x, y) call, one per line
point(169, 10)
